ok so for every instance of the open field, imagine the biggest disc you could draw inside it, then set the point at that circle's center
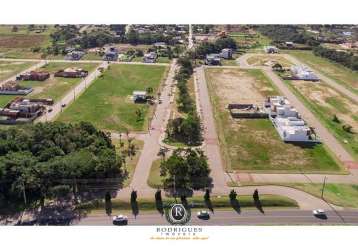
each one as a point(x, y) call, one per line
point(250, 41)
point(56, 87)
point(159, 60)
point(130, 161)
point(107, 102)
point(245, 201)
point(325, 102)
point(337, 72)
point(268, 60)
point(9, 69)
point(253, 144)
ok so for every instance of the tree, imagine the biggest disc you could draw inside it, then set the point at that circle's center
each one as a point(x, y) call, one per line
point(188, 168)
point(139, 114)
point(232, 195)
point(14, 28)
point(207, 194)
point(335, 119)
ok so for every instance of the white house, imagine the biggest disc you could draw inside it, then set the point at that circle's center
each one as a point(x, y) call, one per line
point(271, 49)
point(139, 96)
point(303, 73)
point(150, 57)
point(226, 53)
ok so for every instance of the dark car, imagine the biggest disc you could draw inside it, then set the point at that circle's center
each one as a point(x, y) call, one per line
point(203, 215)
point(120, 220)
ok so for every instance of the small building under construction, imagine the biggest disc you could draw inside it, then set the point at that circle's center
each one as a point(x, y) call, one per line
point(71, 73)
point(249, 111)
point(34, 76)
point(13, 88)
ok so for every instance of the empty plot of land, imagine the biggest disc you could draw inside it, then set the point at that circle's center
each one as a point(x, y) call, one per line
point(326, 102)
point(108, 103)
point(337, 72)
point(56, 87)
point(268, 60)
point(253, 144)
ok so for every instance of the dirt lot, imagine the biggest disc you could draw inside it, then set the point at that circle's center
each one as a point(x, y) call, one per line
point(21, 41)
point(253, 144)
point(268, 60)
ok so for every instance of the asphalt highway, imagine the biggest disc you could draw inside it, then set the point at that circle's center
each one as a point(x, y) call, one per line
point(229, 218)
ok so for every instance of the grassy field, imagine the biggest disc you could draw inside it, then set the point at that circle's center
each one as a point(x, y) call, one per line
point(9, 69)
point(253, 145)
point(320, 100)
point(159, 60)
point(245, 201)
point(154, 179)
point(130, 161)
point(250, 41)
point(107, 102)
point(261, 60)
point(56, 87)
point(337, 72)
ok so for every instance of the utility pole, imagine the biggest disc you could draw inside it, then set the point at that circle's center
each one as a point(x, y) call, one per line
point(324, 185)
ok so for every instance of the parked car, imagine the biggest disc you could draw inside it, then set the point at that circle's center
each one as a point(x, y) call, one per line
point(160, 101)
point(120, 220)
point(63, 105)
point(203, 215)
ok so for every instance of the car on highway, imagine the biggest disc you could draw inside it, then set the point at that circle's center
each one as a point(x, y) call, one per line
point(320, 213)
point(120, 220)
point(203, 215)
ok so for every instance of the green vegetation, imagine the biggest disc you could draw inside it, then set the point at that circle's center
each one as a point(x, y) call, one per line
point(9, 69)
point(253, 144)
point(56, 87)
point(206, 48)
point(250, 41)
point(107, 102)
point(349, 60)
point(245, 201)
point(154, 179)
point(336, 71)
point(50, 160)
point(187, 169)
point(129, 151)
point(348, 139)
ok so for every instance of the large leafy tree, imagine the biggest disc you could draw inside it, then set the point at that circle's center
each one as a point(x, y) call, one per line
point(44, 160)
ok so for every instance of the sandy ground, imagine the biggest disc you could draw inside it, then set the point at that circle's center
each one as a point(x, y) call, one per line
point(268, 60)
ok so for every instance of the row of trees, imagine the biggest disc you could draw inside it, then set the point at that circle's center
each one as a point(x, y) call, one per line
point(347, 59)
point(46, 160)
point(133, 37)
point(221, 43)
point(186, 129)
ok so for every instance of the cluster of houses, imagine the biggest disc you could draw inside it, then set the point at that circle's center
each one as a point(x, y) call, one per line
point(215, 59)
point(299, 72)
point(23, 110)
point(287, 121)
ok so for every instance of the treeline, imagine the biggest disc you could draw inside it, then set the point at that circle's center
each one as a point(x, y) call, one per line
point(186, 129)
point(133, 37)
point(207, 47)
point(286, 33)
point(52, 160)
point(347, 59)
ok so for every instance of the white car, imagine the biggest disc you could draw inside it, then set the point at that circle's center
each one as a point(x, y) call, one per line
point(120, 220)
point(203, 215)
point(319, 212)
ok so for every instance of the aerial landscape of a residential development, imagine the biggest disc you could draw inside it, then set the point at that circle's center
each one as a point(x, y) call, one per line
point(119, 124)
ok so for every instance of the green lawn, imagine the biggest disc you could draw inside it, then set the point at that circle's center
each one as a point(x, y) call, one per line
point(107, 102)
point(337, 72)
point(154, 179)
point(253, 145)
point(223, 202)
point(130, 161)
point(56, 87)
point(325, 114)
point(9, 69)
point(159, 60)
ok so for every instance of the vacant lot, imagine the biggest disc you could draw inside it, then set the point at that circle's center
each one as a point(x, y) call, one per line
point(326, 102)
point(56, 87)
point(9, 69)
point(154, 179)
point(337, 72)
point(253, 144)
point(108, 101)
point(249, 41)
point(268, 60)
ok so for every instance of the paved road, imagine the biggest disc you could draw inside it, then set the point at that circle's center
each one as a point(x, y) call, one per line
point(212, 148)
point(230, 217)
point(151, 142)
point(190, 38)
point(71, 95)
